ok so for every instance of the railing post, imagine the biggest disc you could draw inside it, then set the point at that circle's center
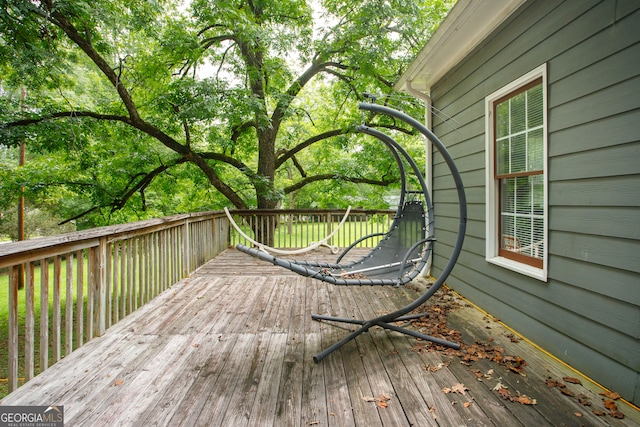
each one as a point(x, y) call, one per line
point(44, 313)
point(29, 321)
point(186, 248)
point(13, 328)
point(101, 280)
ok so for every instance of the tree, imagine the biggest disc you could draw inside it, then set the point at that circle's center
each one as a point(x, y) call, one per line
point(128, 94)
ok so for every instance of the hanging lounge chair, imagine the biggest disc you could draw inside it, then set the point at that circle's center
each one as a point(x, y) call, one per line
point(402, 253)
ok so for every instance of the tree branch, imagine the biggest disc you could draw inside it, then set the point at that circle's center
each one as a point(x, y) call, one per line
point(148, 178)
point(328, 176)
point(65, 114)
point(61, 21)
point(308, 142)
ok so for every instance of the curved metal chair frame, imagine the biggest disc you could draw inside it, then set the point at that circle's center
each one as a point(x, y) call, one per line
point(411, 259)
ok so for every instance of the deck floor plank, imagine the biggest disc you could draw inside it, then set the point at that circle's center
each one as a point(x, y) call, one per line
point(232, 345)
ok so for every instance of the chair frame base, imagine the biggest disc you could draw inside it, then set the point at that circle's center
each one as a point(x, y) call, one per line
point(382, 322)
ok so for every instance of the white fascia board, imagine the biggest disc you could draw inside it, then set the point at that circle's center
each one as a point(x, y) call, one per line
point(468, 23)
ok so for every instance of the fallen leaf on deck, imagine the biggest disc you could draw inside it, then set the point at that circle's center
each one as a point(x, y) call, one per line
point(498, 386)
point(456, 388)
point(584, 400)
point(118, 382)
point(432, 410)
point(599, 413)
point(418, 348)
point(381, 400)
point(553, 383)
point(504, 393)
point(526, 400)
point(610, 405)
point(513, 338)
point(617, 414)
point(577, 414)
point(566, 391)
point(478, 373)
point(572, 380)
point(437, 367)
point(467, 404)
point(610, 394)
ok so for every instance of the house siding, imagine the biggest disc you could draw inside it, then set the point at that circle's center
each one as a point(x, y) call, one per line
point(588, 312)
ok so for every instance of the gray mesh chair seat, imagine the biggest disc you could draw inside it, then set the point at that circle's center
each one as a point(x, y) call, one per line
point(399, 257)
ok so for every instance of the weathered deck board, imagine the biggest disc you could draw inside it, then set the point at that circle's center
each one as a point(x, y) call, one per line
point(233, 346)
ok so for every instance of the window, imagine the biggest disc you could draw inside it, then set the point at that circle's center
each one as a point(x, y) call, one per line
point(516, 147)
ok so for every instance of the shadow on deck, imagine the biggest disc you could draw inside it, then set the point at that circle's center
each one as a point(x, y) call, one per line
point(232, 345)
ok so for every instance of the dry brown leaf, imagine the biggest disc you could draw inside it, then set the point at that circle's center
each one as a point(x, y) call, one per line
point(610, 394)
point(384, 397)
point(577, 414)
point(584, 400)
point(505, 394)
point(610, 405)
point(381, 400)
point(599, 413)
point(526, 400)
point(552, 383)
point(617, 414)
point(456, 388)
point(467, 404)
point(566, 391)
point(478, 373)
point(572, 380)
point(437, 367)
point(432, 410)
point(118, 382)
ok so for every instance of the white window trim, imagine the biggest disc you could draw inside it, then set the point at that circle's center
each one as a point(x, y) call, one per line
point(491, 206)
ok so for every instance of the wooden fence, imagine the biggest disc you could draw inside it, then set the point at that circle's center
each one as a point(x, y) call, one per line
point(77, 285)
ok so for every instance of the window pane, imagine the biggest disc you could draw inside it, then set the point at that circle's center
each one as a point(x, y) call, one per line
point(523, 195)
point(508, 198)
point(502, 119)
point(518, 153)
point(502, 157)
point(535, 150)
point(518, 113)
point(509, 241)
point(538, 238)
point(534, 107)
point(537, 183)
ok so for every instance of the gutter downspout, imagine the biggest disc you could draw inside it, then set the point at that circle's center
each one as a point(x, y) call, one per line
point(428, 148)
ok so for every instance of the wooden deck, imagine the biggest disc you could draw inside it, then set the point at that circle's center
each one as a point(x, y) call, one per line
point(233, 345)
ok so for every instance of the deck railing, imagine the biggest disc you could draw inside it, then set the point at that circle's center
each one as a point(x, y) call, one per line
point(77, 285)
point(298, 228)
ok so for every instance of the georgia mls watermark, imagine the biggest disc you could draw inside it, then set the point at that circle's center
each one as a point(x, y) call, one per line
point(31, 416)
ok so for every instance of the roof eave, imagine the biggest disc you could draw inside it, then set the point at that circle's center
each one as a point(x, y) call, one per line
point(468, 23)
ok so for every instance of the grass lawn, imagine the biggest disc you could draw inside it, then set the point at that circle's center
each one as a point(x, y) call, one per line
point(300, 235)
